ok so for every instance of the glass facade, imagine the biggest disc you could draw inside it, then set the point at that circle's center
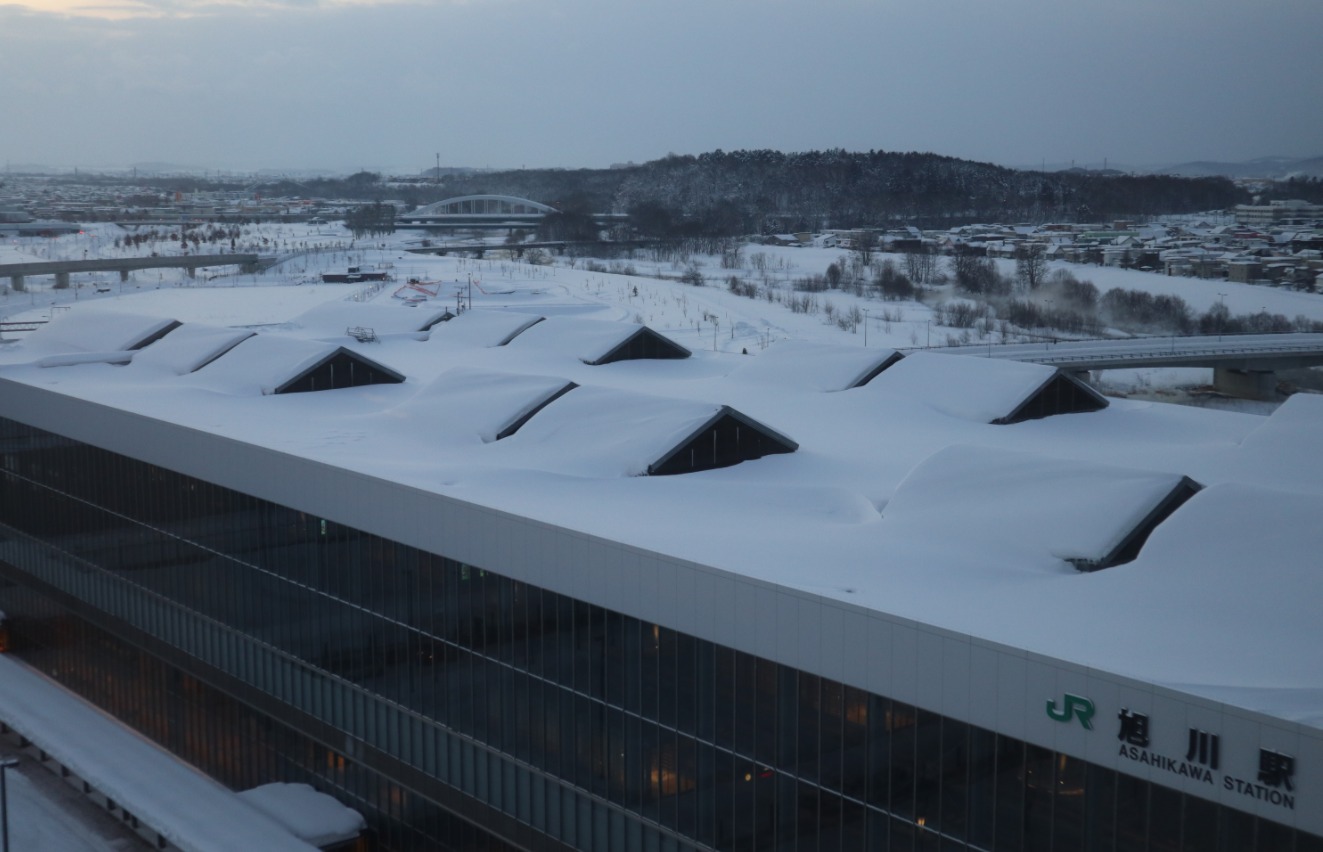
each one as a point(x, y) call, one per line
point(461, 709)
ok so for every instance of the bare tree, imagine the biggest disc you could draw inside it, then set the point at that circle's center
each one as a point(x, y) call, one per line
point(1030, 266)
point(920, 266)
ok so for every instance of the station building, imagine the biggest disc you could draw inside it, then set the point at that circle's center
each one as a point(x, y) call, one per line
point(523, 582)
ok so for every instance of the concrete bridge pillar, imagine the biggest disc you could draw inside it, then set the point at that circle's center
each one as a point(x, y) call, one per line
point(192, 271)
point(1246, 384)
point(16, 281)
point(61, 281)
point(123, 275)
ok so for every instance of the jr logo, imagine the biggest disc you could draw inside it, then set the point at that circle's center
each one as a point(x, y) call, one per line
point(1075, 707)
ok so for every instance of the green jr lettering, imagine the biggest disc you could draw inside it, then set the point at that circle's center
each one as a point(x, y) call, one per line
point(1074, 707)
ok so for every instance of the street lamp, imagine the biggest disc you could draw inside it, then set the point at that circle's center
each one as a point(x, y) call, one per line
point(5, 765)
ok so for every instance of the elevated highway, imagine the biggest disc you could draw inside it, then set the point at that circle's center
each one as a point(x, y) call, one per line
point(61, 269)
point(1243, 364)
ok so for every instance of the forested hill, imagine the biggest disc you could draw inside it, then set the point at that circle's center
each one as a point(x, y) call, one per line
point(750, 191)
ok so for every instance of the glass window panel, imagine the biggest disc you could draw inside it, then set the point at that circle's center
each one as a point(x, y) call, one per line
point(1068, 808)
point(955, 778)
point(1010, 793)
point(809, 829)
point(686, 692)
point(810, 726)
point(725, 697)
point(668, 677)
point(1199, 829)
point(746, 703)
point(879, 751)
point(831, 745)
point(1163, 819)
point(705, 669)
point(1040, 786)
point(615, 659)
point(1131, 814)
point(1303, 842)
point(902, 723)
point(1272, 836)
point(928, 769)
point(854, 754)
point(1100, 810)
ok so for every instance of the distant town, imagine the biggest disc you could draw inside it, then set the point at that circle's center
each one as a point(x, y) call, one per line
point(1277, 244)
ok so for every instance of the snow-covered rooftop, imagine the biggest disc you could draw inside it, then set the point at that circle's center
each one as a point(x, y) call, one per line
point(902, 496)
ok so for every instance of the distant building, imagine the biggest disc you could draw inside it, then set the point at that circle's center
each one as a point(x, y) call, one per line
point(1281, 212)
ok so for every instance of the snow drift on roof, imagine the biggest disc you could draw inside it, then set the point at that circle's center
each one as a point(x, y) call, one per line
point(190, 347)
point(101, 331)
point(1284, 450)
point(483, 328)
point(470, 405)
point(267, 364)
point(816, 366)
point(601, 432)
point(1087, 514)
point(599, 341)
point(333, 318)
point(1292, 427)
point(987, 390)
point(313, 817)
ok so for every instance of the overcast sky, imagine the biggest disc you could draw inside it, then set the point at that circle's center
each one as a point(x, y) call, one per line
point(348, 84)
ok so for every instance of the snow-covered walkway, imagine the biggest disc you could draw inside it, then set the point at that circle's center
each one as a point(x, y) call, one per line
point(189, 810)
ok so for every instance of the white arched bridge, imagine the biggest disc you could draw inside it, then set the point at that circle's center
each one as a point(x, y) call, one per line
point(496, 212)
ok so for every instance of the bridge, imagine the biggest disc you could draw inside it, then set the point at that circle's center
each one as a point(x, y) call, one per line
point(486, 212)
point(518, 249)
point(1243, 364)
point(61, 269)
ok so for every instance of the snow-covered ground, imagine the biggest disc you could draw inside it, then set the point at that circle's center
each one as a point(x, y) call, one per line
point(702, 318)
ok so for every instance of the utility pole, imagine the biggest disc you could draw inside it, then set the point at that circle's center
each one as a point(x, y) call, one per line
point(5, 765)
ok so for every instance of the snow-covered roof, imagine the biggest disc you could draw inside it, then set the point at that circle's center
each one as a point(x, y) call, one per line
point(984, 390)
point(85, 331)
point(901, 497)
point(316, 818)
point(816, 366)
point(270, 364)
point(190, 347)
point(193, 812)
point(607, 433)
point(468, 405)
point(595, 341)
point(483, 328)
point(331, 319)
point(1079, 512)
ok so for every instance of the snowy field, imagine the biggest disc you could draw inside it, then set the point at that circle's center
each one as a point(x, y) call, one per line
point(702, 318)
